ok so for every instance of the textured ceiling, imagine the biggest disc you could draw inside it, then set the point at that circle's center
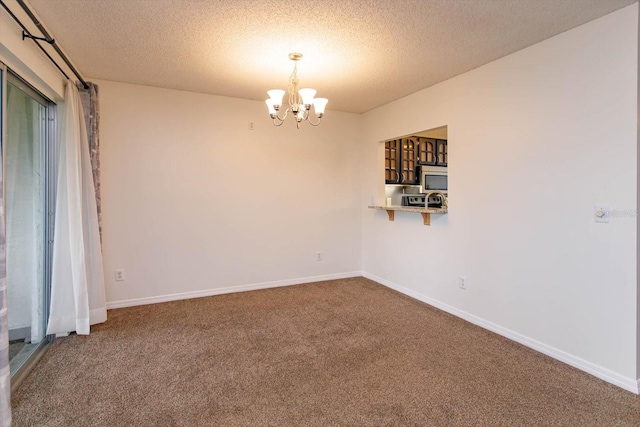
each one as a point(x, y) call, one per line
point(360, 54)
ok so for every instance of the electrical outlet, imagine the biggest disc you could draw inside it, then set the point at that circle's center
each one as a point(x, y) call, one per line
point(318, 256)
point(251, 126)
point(463, 283)
point(119, 275)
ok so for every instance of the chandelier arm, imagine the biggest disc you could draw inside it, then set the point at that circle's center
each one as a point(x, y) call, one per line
point(315, 124)
point(277, 120)
point(277, 115)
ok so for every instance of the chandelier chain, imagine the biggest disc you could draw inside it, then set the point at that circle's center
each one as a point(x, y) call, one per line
point(294, 97)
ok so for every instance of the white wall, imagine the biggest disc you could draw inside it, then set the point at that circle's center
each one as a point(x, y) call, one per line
point(195, 203)
point(535, 140)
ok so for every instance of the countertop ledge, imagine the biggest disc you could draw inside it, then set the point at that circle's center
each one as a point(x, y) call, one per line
point(425, 212)
point(409, 209)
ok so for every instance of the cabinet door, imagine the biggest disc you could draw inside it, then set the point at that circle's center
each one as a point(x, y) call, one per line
point(426, 151)
point(408, 172)
point(441, 152)
point(392, 161)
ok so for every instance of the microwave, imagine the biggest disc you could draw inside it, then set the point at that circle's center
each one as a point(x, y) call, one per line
point(434, 178)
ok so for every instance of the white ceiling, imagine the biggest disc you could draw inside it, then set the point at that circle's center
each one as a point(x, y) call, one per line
point(358, 53)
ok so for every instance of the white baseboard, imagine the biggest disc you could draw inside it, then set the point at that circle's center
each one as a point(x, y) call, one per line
point(228, 290)
point(605, 374)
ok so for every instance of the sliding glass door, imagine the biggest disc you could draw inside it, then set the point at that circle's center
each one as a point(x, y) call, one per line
point(29, 129)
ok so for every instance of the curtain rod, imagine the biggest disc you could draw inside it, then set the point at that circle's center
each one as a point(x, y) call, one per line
point(52, 42)
point(48, 39)
point(25, 31)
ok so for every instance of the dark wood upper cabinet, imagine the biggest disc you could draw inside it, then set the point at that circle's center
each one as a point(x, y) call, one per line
point(431, 151)
point(391, 161)
point(401, 161)
point(403, 157)
point(409, 172)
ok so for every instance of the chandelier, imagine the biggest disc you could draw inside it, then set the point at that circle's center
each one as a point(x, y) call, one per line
point(300, 100)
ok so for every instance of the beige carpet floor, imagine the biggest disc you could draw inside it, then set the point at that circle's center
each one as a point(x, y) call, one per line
point(338, 353)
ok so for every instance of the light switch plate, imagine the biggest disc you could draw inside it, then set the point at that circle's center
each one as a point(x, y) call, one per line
point(601, 213)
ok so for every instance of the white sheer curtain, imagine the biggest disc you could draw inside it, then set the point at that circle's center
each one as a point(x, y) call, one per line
point(77, 289)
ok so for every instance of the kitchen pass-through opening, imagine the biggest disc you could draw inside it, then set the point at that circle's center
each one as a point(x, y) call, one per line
point(416, 169)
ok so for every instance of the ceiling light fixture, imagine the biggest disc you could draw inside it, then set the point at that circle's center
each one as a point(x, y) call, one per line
point(300, 100)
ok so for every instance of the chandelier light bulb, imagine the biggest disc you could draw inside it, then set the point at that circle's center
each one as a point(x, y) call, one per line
point(272, 110)
point(319, 104)
point(276, 96)
point(307, 95)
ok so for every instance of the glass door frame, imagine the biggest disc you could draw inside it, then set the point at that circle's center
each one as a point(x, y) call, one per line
point(21, 365)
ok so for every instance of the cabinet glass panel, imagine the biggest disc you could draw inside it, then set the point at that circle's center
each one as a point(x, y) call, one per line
point(409, 162)
point(441, 149)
